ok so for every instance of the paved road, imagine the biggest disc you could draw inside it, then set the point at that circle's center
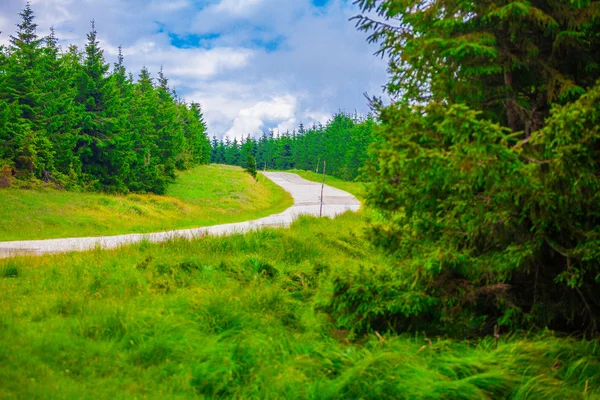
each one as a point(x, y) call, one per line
point(306, 196)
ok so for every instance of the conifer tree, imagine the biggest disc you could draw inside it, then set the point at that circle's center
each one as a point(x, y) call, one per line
point(31, 149)
point(61, 115)
point(147, 165)
point(232, 152)
point(197, 137)
point(251, 165)
point(169, 129)
point(214, 145)
point(511, 59)
point(100, 146)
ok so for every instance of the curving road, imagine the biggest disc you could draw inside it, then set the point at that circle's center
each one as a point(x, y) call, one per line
point(306, 196)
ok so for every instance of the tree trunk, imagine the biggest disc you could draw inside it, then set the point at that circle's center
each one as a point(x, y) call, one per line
point(511, 103)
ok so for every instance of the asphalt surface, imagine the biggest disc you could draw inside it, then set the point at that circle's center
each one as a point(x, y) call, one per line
point(306, 195)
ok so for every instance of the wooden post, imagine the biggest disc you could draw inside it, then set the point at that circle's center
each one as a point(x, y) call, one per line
point(265, 166)
point(322, 188)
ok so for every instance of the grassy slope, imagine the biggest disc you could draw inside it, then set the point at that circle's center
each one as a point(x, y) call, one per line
point(206, 195)
point(237, 317)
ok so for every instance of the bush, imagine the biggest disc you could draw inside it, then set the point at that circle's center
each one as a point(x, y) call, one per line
point(6, 176)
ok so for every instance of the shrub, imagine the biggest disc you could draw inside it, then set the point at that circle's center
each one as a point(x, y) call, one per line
point(6, 176)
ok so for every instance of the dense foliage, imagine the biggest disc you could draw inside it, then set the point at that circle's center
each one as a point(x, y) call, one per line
point(511, 59)
point(486, 175)
point(343, 143)
point(65, 118)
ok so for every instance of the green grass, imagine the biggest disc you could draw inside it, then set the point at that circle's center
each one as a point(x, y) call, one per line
point(206, 195)
point(242, 317)
point(355, 188)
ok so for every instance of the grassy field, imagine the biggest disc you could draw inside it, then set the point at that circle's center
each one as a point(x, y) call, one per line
point(244, 317)
point(206, 195)
point(355, 188)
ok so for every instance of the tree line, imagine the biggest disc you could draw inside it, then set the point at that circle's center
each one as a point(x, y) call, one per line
point(67, 117)
point(342, 142)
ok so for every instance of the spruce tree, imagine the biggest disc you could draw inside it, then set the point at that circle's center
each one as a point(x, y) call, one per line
point(169, 125)
point(149, 172)
point(61, 115)
point(511, 59)
point(251, 166)
point(29, 145)
point(101, 147)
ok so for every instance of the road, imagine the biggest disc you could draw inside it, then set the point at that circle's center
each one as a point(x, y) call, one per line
point(306, 195)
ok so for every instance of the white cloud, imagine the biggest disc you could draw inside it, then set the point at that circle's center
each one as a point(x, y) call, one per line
point(52, 12)
point(252, 120)
point(287, 126)
point(318, 116)
point(205, 63)
point(237, 6)
point(181, 64)
point(4, 24)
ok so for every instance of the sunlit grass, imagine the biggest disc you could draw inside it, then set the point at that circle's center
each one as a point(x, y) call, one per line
point(206, 195)
point(240, 317)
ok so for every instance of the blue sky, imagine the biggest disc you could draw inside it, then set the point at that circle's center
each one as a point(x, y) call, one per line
point(252, 64)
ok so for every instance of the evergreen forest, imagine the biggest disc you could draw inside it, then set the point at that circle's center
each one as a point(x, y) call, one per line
point(342, 144)
point(68, 118)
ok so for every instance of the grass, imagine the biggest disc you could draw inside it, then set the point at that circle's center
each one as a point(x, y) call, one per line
point(206, 195)
point(355, 188)
point(242, 317)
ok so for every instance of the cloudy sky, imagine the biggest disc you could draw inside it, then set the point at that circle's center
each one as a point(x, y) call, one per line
point(252, 64)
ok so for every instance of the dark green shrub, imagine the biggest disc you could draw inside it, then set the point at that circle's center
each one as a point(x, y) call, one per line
point(10, 271)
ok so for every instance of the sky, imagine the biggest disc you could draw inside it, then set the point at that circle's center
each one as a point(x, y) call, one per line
point(253, 65)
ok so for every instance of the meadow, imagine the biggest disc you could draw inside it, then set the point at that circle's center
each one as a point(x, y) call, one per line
point(248, 316)
point(206, 195)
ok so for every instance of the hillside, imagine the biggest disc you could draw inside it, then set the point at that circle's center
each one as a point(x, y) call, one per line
point(205, 195)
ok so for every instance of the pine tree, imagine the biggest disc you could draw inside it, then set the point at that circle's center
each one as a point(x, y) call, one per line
point(169, 125)
point(214, 145)
point(196, 136)
point(101, 147)
point(511, 59)
point(30, 148)
point(61, 116)
point(251, 166)
point(147, 167)
point(232, 152)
